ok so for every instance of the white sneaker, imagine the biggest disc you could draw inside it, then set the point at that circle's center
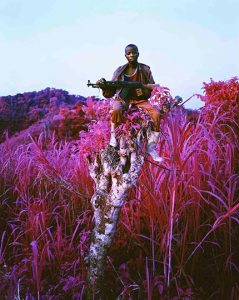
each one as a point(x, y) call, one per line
point(113, 141)
point(151, 148)
point(153, 153)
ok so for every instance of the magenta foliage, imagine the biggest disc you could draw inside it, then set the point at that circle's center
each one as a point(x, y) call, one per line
point(161, 96)
point(134, 119)
point(97, 136)
point(22, 110)
point(178, 233)
point(223, 94)
point(96, 109)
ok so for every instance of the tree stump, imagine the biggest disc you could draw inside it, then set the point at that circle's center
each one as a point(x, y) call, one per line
point(115, 171)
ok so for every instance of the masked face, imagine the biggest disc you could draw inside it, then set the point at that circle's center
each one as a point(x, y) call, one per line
point(131, 54)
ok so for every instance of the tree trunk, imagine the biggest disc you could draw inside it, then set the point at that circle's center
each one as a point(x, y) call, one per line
point(115, 172)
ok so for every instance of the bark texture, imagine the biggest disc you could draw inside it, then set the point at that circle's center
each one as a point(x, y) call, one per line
point(115, 171)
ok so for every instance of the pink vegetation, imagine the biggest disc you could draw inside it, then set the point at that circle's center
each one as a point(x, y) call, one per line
point(178, 233)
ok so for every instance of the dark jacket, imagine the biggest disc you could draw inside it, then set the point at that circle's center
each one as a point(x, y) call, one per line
point(145, 77)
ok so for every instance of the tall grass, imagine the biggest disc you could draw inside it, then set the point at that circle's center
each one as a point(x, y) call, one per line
point(47, 216)
point(178, 233)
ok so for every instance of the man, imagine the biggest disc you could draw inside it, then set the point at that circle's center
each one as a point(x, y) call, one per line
point(133, 71)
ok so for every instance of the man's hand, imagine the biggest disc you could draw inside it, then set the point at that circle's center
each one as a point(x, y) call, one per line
point(139, 92)
point(165, 109)
point(101, 82)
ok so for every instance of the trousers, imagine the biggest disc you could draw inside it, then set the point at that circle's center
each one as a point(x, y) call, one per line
point(119, 106)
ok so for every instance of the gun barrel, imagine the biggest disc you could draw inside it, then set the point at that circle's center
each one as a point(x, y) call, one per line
point(116, 84)
point(92, 84)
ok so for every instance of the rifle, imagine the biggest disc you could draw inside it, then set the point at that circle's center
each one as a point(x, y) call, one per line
point(122, 84)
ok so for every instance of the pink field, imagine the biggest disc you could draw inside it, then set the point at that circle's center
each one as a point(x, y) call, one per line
point(178, 234)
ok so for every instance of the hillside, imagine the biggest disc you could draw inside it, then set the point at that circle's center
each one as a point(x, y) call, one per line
point(34, 111)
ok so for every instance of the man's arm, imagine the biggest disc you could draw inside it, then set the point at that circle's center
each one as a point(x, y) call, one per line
point(149, 83)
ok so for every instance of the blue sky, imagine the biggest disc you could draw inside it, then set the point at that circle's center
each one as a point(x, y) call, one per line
point(62, 44)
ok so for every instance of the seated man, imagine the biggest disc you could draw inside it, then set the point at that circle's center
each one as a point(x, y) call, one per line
point(133, 71)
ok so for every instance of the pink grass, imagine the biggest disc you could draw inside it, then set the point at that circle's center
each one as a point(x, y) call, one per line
point(178, 229)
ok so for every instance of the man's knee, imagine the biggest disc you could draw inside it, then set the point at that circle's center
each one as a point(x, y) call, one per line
point(116, 111)
point(116, 115)
point(155, 114)
point(156, 117)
